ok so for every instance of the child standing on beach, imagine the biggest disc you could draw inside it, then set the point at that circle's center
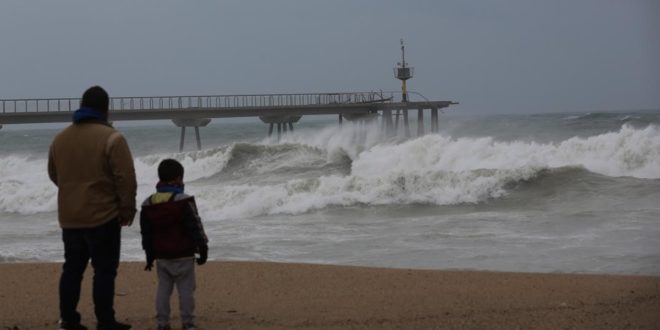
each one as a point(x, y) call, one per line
point(172, 233)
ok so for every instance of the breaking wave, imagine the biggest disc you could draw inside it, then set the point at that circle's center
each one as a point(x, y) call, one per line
point(328, 168)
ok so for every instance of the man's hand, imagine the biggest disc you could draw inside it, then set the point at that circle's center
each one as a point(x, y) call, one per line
point(125, 222)
point(126, 216)
point(203, 254)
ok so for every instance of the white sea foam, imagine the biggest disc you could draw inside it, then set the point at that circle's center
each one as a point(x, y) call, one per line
point(198, 164)
point(628, 152)
point(433, 169)
point(28, 190)
point(25, 186)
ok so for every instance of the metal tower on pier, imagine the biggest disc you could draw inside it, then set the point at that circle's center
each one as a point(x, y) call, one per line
point(403, 72)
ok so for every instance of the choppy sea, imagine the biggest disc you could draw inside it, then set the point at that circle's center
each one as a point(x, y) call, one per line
point(569, 192)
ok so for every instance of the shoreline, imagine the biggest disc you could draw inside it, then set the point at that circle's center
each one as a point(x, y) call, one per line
point(267, 295)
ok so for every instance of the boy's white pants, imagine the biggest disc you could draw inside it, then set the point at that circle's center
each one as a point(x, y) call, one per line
point(179, 272)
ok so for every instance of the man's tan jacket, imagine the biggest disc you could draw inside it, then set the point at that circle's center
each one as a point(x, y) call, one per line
point(92, 166)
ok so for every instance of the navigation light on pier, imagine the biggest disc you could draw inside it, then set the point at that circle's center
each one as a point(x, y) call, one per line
point(403, 72)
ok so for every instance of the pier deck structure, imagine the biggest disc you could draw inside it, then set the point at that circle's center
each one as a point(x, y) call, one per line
point(281, 110)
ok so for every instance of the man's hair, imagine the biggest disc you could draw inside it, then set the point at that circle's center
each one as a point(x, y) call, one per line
point(97, 98)
point(169, 169)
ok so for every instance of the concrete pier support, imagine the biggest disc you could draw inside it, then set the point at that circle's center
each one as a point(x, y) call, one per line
point(183, 136)
point(284, 123)
point(199, 141)
point(191, 122)
point(397, 113)
point(434, 120)
point(387, 122)
point(406, 126)
point(420, 122)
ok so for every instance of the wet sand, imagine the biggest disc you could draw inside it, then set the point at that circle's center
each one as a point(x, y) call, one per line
point(256, 295)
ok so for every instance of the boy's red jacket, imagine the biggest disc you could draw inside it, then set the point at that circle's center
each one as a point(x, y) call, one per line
point(170, 226)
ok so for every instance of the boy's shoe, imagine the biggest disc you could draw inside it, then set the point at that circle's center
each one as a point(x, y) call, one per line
point(113, 326)
point(71, 326)
point(163, 327)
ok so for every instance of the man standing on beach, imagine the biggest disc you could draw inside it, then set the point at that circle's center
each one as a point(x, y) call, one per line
point(92, 166)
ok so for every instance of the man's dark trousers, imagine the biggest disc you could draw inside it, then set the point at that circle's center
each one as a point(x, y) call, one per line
point(101, 244)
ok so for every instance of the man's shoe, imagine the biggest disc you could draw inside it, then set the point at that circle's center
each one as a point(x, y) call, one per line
point(113, 326)
point(71, 326)
point(189, 326)
point(164, 327)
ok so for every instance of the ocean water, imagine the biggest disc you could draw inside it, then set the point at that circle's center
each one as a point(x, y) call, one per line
point(570, 192)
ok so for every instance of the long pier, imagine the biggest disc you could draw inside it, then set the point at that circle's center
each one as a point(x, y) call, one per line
point(196, 111)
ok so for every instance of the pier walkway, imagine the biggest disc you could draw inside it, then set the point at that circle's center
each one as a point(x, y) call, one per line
point(195, 111)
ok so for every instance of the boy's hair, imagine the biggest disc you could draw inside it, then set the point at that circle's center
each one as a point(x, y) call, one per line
point(169, 169)
point(96, 98)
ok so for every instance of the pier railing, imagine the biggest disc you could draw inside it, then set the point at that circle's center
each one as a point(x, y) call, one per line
point(196, 102)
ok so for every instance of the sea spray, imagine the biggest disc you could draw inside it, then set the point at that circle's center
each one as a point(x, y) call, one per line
point(350, 139)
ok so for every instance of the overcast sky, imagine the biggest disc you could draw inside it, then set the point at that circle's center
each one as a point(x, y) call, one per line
point(493, 56)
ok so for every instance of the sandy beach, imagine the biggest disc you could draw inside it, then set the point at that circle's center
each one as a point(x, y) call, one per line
point(254, 295)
